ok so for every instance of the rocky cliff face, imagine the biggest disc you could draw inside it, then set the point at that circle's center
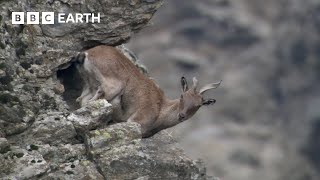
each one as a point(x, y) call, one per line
point(43, 133)
point(265, 124)
point(81, 146)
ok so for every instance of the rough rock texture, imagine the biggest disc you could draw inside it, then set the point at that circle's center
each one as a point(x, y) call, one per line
point(265, 124)
point(120, 153)
point(30, 55)
point(95, 115)
point(42, 130)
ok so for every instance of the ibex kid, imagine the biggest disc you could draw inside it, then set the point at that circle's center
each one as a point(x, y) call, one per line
point(109, 74)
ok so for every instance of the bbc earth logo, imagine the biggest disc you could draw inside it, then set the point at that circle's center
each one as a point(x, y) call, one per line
point(49, 18)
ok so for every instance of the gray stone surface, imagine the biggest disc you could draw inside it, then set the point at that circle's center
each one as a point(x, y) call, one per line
point(4, 145)
point(30, 55)
point(22, 164)
point(120, 153)
point(47, 129)
point(93, 115)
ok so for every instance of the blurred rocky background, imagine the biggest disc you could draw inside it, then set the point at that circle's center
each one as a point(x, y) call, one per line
point(266, 122)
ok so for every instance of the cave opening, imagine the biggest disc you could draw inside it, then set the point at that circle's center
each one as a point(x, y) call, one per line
point(72, 82)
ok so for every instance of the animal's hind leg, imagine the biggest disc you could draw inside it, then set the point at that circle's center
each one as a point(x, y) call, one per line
point(112, 88)
point(85, 78)
point(99, 93)
point(84, 93)
point(86, 98)
point(86, 90)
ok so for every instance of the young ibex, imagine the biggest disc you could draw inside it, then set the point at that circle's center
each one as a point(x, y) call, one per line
point(109, 74)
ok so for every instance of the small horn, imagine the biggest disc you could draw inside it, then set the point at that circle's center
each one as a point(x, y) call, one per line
point(195, 83)
point(209, 86)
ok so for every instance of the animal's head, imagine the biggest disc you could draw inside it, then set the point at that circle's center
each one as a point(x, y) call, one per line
point(191, 99)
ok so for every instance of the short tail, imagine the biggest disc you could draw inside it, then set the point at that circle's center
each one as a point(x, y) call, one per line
point(79, 59)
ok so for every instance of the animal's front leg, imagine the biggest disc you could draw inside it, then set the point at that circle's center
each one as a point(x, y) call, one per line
point(148, 128)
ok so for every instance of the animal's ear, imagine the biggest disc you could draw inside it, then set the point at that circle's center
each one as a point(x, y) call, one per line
point(184, 84)
point(208, 102)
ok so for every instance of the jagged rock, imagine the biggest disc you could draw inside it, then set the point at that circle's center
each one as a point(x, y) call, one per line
point(22, 164)
point(69, 162)
point(4, 145)
point(120, 153)
point(76, 170)
point(30, 55)
point(112, 136)
point(62, 153)
point(93, 115)
point(54, 130)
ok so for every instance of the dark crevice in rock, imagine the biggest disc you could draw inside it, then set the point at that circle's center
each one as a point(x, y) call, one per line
point(90, 155)
point(99, 169)
point(79, 137)
point(90, 44)
point(6, 79)
point(72, 83)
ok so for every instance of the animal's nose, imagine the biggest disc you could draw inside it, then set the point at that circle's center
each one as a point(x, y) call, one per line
point(182, 116)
